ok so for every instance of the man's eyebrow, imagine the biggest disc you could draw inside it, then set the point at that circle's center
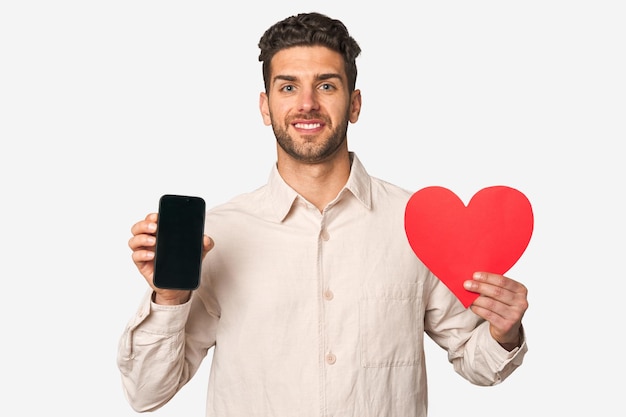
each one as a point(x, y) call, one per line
point(320, 77)
point(329, 76)
point(284, 78)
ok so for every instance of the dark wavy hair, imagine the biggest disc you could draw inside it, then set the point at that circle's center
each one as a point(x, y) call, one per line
point(309, 29)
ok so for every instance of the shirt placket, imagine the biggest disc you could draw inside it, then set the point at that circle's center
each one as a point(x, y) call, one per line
point(324, 296)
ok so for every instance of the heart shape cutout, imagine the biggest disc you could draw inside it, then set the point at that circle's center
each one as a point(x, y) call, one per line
point(490, 234)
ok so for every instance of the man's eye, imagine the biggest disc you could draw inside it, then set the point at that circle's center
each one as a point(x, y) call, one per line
point(288, 88)
point(326, 87)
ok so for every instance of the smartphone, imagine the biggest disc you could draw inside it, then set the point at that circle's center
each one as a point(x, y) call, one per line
point(178, 253)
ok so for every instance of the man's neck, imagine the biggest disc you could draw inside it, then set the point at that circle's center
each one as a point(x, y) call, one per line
point(317, 183)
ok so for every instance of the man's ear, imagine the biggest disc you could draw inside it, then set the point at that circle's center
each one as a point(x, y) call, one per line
point(264, 107)
point(355, 106)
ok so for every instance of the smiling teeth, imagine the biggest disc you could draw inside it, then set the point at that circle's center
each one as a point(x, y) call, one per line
point(307, 125)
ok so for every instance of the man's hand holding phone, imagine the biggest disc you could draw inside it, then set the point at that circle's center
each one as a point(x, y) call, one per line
point(172, 268)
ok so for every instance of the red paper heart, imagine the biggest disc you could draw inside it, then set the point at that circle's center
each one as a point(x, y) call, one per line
point(453, 240)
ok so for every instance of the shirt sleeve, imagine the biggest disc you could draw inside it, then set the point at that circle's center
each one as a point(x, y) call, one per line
point(483, 361)
point(151, 354)
point(473, 352)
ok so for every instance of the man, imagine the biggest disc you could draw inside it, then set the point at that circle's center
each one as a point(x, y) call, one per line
point(311, 297)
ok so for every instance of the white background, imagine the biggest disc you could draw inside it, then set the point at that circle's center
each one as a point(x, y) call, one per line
point(106, 105)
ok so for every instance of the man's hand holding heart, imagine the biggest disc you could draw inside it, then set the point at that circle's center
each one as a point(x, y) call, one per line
point(469, 248)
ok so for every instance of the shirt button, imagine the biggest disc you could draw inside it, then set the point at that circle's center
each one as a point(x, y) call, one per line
point(324, 235)
point(328, 295)
point(331, 359)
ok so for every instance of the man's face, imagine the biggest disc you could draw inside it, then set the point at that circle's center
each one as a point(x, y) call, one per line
point(308, 104)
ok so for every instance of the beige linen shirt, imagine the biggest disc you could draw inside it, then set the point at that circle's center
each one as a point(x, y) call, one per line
point(309, 313)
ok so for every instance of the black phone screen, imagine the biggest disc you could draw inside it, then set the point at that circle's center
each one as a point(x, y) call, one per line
point(178, 254)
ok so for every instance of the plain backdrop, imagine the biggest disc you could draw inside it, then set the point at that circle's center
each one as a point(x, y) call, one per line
point(106, 105)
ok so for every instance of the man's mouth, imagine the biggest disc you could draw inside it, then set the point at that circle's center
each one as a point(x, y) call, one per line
point(307, 126)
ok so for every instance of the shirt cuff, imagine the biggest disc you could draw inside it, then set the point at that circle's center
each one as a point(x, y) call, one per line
point(505, 361)
point(164, 319)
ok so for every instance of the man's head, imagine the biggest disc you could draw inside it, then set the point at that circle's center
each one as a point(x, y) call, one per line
point(310, 96)
point(309, 29)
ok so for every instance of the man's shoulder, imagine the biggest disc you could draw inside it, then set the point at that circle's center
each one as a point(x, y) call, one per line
point(384, 188)
point(241, 202)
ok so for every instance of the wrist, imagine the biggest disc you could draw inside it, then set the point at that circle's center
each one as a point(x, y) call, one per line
point(509, 345)
point(181, 297)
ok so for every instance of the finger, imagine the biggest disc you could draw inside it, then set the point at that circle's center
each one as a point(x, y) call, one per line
point(148, 225)
point(140, 256)
point(495, 286)
point(504, 330)
point(207, 244)
point(505, 319)
point(142, 241)
point(497, 280)
point(498, 312)
point(502, 301)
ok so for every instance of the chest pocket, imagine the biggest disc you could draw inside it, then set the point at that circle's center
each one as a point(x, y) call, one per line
point(391, 322)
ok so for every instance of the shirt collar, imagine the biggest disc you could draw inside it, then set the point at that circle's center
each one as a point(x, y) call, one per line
point(282, 196)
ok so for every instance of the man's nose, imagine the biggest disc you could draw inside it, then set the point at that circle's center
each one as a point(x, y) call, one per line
point(308, 100)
